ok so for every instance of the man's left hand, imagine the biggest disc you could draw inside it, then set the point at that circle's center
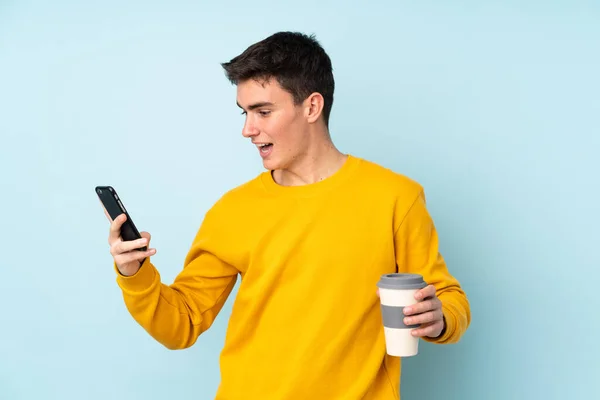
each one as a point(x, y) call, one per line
point(427, 312)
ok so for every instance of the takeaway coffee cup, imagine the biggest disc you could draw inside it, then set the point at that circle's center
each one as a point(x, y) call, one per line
point(397, 291)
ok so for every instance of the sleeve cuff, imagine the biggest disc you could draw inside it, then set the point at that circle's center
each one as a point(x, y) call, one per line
point(450, 327)
point(141, 281)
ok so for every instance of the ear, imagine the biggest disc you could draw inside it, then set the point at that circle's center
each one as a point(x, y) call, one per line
point(313, 107)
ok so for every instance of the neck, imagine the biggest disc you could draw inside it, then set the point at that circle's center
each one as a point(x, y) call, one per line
point(320, 161)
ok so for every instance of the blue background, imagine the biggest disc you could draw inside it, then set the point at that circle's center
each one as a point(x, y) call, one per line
point(493, 106)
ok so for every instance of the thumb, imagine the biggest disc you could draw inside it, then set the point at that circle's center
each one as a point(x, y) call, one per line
point(146, 235)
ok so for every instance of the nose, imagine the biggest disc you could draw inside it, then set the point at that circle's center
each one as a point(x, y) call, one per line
point(249, 129)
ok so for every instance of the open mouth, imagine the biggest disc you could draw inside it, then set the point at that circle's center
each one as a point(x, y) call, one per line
point(265, 147)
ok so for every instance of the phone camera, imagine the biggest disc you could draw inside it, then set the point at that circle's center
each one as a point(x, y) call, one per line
point(99, 191)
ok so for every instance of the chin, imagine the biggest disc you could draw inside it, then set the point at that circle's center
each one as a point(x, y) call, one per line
point(271, 163)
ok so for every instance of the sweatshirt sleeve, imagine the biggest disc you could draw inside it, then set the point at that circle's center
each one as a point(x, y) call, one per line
point(417, 251)
point(175, 315)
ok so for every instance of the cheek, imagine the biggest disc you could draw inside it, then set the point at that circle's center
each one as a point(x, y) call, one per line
point(286, 131)
point(278, 129)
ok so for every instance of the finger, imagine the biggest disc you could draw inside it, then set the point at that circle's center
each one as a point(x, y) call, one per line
point(107, 216)
point(425, 318)
point(423, 306)
point(146, 235)
point(428, 291)
point(431, 330)
point(125, 258)
point(105, 212)
point(121, 247)
point(115, 228)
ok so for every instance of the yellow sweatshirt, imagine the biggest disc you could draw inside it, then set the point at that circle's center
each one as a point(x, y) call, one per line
point(306, 322)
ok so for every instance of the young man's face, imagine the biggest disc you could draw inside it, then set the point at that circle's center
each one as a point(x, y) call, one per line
point(273, 123)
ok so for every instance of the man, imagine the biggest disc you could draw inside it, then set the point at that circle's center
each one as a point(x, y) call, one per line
point(310, 238)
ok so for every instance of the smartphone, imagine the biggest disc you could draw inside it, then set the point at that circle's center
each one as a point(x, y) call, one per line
point(114, 206)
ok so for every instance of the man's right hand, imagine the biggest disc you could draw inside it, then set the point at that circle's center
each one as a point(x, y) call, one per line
point(127, 257)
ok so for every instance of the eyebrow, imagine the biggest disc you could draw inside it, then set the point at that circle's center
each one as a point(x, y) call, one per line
point(256, 105)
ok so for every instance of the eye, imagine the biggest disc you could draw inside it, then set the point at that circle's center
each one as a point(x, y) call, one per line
point(243, 113)
point(264, 113)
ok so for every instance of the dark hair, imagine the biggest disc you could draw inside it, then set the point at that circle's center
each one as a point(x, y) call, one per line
point(297, 61)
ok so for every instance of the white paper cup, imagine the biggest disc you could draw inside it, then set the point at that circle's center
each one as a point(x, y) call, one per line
point(397, 291)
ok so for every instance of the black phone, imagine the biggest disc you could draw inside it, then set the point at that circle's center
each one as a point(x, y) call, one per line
point(114, 206)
